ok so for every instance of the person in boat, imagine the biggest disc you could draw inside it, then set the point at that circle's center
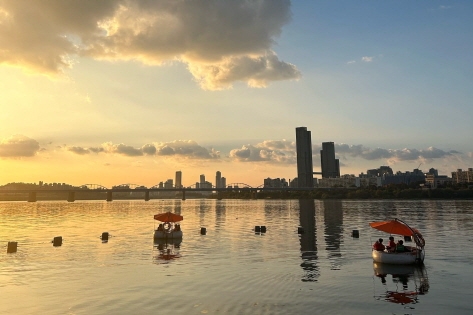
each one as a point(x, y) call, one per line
point(400, 248)
point(379, 246)
point(391, 245)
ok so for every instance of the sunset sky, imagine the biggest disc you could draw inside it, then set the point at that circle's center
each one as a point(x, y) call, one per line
point(131, 91)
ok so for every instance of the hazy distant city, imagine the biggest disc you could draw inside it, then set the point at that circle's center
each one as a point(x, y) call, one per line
point(329, 173)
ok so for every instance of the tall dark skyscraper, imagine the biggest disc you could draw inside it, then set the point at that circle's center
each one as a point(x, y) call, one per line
point(305, 177)
point(330, 165)
point(218, 179)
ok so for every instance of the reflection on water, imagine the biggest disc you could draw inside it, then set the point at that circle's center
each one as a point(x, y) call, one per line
point(333, 219)
point(308, 240)
point(401, 284)
point(168, 250)
point(230, 270)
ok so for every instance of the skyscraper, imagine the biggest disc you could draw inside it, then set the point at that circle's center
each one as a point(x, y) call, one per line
point(305, 177)
point(218, 179)
point(330, 165)
point(178, 179)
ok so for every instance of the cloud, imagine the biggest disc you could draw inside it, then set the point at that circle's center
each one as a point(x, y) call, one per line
point(367, 59)
point(18, 146)
point(392, 154)
point(187, 149)
point(220, 41)
point(351, 62)
point(284, 152)
point(84, 151)
point(272, 151)
point(122, 149)
point(255, 71)
point(178, 148)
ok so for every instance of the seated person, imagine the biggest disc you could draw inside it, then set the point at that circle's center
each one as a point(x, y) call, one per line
point(379, 246)
point(391, 245)
point(400, 248)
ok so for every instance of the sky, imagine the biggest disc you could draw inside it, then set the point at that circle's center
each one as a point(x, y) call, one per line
point(130, 91)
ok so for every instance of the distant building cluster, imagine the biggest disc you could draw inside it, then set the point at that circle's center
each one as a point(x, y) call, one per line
point(220, 182)
point(382, 176)
point(275, 183)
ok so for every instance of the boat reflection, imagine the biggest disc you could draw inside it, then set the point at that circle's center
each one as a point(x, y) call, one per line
point(168, 250)
point(408, 283)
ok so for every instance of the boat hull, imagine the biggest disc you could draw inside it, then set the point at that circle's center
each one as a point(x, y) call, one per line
point(166, 235)
point(407, 258)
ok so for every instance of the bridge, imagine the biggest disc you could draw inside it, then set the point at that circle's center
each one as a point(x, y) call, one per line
point(99, 192)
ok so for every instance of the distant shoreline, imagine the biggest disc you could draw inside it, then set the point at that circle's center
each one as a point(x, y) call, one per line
point(380, 193)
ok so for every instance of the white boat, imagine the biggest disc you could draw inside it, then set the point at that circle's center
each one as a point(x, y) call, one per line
point(169, 229)
point(413, 255)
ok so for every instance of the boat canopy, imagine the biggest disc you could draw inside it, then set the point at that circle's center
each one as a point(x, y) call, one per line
point(168, 217)
point(399, 227)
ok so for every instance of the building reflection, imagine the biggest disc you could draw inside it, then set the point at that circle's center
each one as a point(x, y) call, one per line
point(220, 214)
point(308, 240)
point(333, 231)
point(173, 206)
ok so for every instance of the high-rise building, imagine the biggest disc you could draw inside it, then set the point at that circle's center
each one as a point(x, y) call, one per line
point(304, 158)
point(330, 165)
point(178, 179)
point(218, 179)
point(461, 176)
point(202, 178)
point(168, 184)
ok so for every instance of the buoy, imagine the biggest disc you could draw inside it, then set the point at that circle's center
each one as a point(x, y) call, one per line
point(203, 230)
point(263, 229)
point(105, 236)
point(12, 246)
point(257, 229)
point(57, 241)
point(407, 238)
point(300, 230)
point(355, 234)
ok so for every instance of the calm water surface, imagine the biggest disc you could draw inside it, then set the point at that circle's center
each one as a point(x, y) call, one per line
point(231, 270)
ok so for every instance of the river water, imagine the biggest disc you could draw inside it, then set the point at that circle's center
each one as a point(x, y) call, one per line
point(231, 269)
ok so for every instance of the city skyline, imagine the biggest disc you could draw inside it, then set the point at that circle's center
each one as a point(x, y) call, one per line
point(88, 96)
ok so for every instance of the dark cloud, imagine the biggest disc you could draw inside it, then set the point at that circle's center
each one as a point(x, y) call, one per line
point(148, 149)
point(221, 41)
point(18, 146)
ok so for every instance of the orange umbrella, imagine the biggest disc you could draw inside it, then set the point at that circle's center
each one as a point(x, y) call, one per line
point(395, 226)
point(168, 217)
